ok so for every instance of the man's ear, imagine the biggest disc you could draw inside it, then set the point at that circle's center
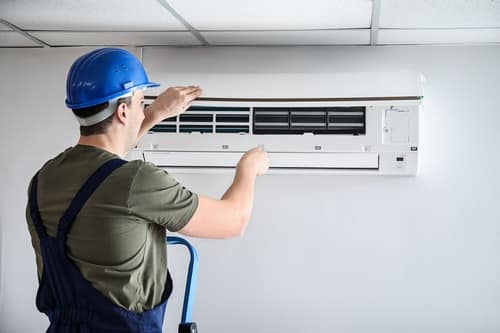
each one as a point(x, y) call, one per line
point(121, 112)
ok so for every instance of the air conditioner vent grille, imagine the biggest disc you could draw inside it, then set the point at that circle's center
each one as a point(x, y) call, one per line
point(267, 120)
point(162, 128)
point(317, 120)
point(196, 117)
point(208, 119)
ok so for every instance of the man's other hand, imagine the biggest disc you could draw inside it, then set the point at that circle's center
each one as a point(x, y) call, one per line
point(254, 161)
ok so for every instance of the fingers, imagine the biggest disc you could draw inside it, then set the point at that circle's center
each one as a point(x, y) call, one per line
point(189, 93)
point(260, 149)
point(195, 93)
point(192, 89)
point(183, 95)
point(183, 87)
point(187, 89)
point(189, 98)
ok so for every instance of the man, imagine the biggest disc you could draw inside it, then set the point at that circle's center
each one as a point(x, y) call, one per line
point(98, 224)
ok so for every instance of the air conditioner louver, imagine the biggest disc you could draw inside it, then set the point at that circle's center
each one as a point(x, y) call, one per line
point(232, 118)
point(200, 159)
point(308, 119)
point(208, 119)
point(196, 117)
point(231, 129)
point(268, 120)
point(317, 120)
point(162, 128)
point(196, 128)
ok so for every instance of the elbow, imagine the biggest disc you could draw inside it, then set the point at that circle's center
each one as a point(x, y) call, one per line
point(243, 224)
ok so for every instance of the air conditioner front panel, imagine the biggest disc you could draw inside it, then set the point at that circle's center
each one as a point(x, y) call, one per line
point(296, 85)
point(357, 124)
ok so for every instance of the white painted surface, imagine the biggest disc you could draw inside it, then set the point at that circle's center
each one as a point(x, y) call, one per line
point(106, 15)
point(333, 254)
point(440, 14)
point(438, 36)
point(250, 85)
point(262, 14)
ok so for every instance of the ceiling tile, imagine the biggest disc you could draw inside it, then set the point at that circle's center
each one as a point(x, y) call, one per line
point(316, 37)
point(440, 14)
point(89, 15)
point(60, 38)
point(276, 15)
point(15, 39)
point(439, 36)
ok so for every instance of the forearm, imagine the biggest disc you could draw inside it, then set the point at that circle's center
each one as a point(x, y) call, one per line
point(150, 120)
point(229, 216)
point(241, 193)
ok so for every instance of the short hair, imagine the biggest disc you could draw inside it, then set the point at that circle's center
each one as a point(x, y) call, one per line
point(102, 126)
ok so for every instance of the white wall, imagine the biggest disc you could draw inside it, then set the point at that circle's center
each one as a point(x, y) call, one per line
point(322, 253)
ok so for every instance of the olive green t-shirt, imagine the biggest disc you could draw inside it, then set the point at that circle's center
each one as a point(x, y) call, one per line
point(117, 240)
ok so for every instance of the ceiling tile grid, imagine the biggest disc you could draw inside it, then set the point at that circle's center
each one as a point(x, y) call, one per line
point(316, 37)
point(148, 38)
point(238, 22)
point(3, 27)
point(15, 39)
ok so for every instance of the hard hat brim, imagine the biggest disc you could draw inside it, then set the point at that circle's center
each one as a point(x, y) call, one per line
point(110, 97)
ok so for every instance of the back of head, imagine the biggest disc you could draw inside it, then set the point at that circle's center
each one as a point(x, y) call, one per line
point(99, 79)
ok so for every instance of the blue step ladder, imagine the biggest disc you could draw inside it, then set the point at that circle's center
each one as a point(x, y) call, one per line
point(187, 325)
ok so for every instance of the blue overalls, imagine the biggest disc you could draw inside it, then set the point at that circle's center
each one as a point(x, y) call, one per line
point(71, 302)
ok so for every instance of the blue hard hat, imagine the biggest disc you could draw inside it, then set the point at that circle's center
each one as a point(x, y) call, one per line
point(104, 74)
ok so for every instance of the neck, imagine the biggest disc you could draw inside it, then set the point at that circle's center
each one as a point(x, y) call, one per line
point(104, 142)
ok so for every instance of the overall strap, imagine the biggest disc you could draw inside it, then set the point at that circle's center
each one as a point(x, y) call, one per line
point(84, 194)
point(34, 212)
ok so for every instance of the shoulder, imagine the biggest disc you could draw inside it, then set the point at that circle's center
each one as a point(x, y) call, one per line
point(147, 174)
point(143, 168)
point(48, 165)
point(55, 160)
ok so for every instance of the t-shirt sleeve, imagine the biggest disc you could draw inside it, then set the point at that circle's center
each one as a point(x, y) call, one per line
point(157, 197)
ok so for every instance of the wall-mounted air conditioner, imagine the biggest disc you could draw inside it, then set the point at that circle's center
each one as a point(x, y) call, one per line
point(364, 123)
